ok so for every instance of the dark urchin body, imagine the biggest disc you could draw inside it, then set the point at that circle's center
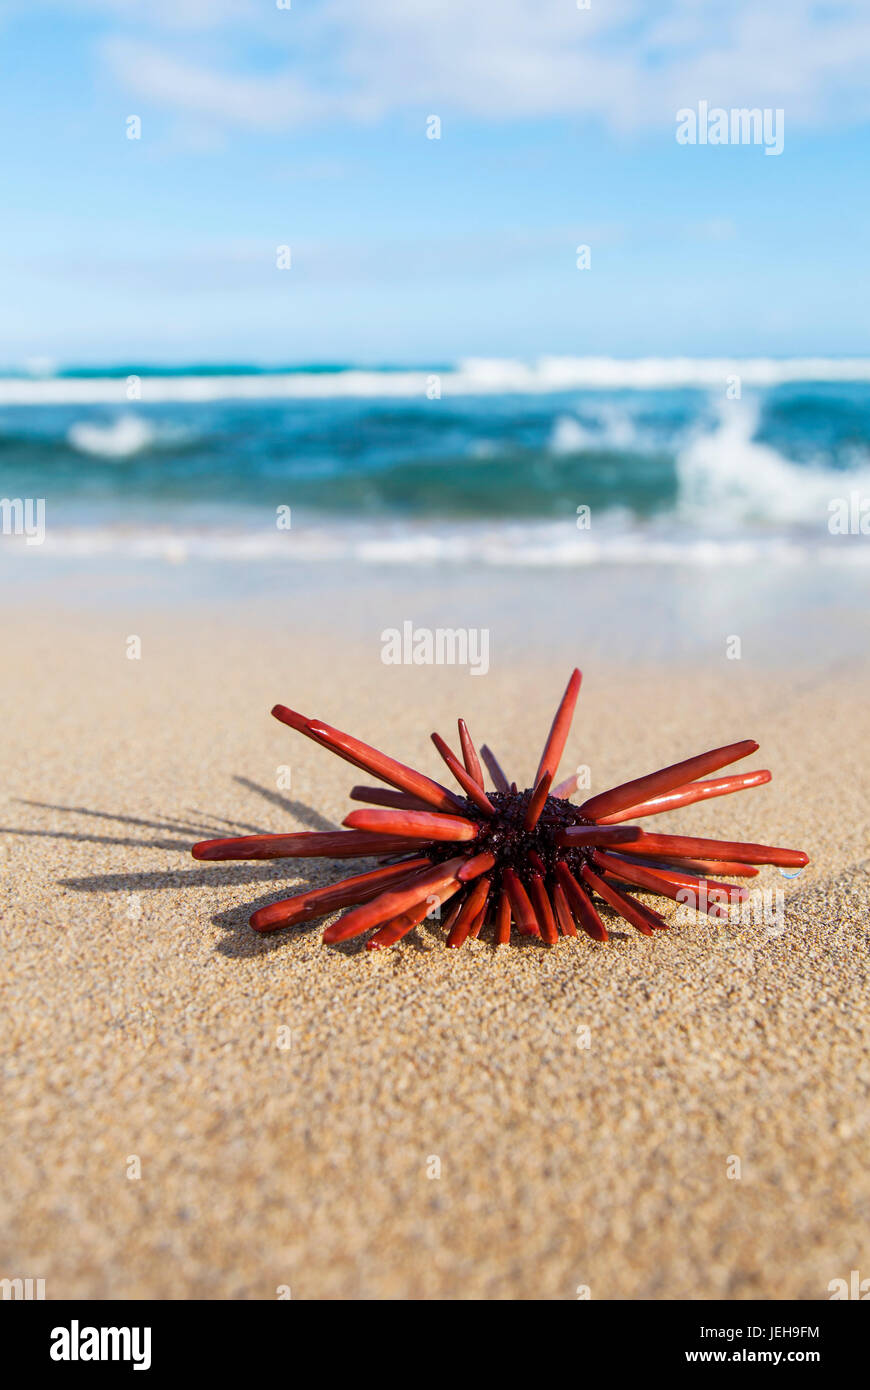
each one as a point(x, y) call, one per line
point(504, 836)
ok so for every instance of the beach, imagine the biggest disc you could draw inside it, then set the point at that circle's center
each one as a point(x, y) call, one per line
point(195, 1111)
point(396, 363)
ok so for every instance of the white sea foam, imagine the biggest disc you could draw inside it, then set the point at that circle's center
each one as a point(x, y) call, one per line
point(540, 545)
point(127, 435)
point(475, 376)
point(613, 428)
point(568, 436)
point(726, 478)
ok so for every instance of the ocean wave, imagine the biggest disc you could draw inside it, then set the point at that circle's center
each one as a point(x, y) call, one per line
point(549, 545)
point(611, 427)
point(726, 477)
point(648, 465)
point(473, 376)
point(118, 439)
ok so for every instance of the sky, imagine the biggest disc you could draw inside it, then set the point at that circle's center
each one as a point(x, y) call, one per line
point(264, 126)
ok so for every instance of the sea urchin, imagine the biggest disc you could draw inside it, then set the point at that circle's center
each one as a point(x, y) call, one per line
point(530, 857)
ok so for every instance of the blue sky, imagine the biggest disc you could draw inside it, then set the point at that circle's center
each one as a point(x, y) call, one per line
point(264, 126)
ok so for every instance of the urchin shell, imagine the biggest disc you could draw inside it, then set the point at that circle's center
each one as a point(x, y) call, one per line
point(529, 858)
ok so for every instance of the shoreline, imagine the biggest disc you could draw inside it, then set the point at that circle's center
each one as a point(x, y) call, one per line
point(723, 621)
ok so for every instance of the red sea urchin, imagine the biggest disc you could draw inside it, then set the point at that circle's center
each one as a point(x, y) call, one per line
point(529, 857)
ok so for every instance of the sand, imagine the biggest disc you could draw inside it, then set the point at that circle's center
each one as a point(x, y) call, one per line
point(417, 1123)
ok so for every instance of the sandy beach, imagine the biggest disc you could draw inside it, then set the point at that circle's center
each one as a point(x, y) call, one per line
point(417, 1123)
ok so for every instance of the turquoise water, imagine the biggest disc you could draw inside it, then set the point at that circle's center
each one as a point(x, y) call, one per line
point(478, 463)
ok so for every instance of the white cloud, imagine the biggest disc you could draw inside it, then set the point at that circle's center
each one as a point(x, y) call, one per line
point(623, 62)
point(174, 14)
point(229, 98)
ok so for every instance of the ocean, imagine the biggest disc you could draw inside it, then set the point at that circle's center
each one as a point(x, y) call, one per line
point(562, 462)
